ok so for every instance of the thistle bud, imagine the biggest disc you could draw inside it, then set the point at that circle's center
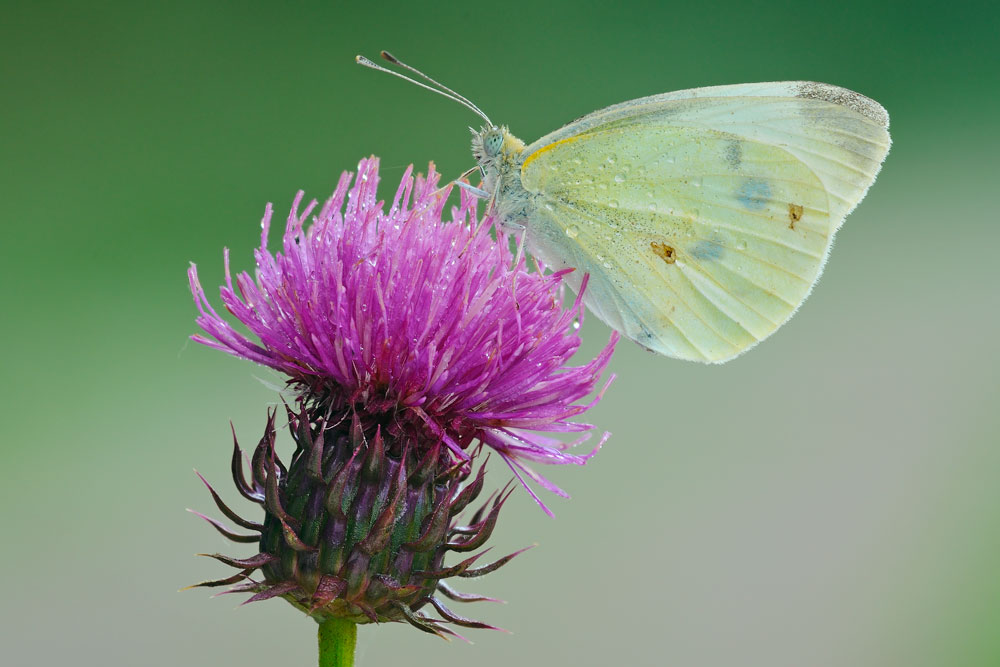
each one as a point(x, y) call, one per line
point(357, 526)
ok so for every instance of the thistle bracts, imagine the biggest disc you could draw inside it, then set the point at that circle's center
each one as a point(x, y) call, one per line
point(358, 525)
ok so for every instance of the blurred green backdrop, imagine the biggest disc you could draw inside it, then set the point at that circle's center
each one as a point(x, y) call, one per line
point(829, 499)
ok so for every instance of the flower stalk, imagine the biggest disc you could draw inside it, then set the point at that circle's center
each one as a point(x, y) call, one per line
point(337, 639)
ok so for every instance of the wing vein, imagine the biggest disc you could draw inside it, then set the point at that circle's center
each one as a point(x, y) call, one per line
point(708, 276)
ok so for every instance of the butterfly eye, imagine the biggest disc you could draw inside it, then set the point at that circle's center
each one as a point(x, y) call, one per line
point(492, 142)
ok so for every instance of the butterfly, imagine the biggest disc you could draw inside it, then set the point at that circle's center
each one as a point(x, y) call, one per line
point(702, 217)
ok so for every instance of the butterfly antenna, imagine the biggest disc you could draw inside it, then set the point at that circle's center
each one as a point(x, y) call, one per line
point(446, 92)
point(396, 61)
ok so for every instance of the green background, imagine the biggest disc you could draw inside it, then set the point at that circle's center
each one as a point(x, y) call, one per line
point(830, 498)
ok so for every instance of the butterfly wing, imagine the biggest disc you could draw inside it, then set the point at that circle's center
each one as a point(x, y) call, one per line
point(704, 217)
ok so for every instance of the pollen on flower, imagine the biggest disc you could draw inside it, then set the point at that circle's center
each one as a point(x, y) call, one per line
point(407, 350)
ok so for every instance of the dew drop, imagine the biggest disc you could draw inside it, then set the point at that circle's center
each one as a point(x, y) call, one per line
point(652, 208)
point(549, 206)
point(572, 232)
point(613, 203)
point(619, 178)
point(742, 245)
point(611, 159)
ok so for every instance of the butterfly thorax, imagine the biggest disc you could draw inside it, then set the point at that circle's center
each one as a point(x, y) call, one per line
point(499, 155)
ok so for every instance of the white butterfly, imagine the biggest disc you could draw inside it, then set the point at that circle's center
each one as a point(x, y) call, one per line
point(704, 217)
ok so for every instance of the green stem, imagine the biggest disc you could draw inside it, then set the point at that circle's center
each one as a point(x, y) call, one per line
point(336, 643)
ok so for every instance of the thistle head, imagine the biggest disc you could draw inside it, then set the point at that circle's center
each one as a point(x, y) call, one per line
point(409, 345)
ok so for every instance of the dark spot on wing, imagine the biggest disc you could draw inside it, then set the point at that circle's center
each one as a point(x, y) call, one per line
point(734, 154)
point(664, 252)
point(865, 106)
point(754, 194)
point(707, 250)
point(795, 212)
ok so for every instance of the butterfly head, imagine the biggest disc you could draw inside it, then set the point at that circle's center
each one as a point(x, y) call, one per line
point(487, 144)
point(495, 150)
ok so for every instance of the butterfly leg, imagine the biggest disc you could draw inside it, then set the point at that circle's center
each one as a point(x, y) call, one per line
point(519, 229)
point(482, 194)
point(460, 182)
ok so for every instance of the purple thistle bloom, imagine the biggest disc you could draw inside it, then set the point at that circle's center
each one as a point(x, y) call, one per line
point(414, 323)
point(409, 343)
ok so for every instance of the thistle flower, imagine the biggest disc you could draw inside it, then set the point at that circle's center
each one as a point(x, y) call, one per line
point(409, 344)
